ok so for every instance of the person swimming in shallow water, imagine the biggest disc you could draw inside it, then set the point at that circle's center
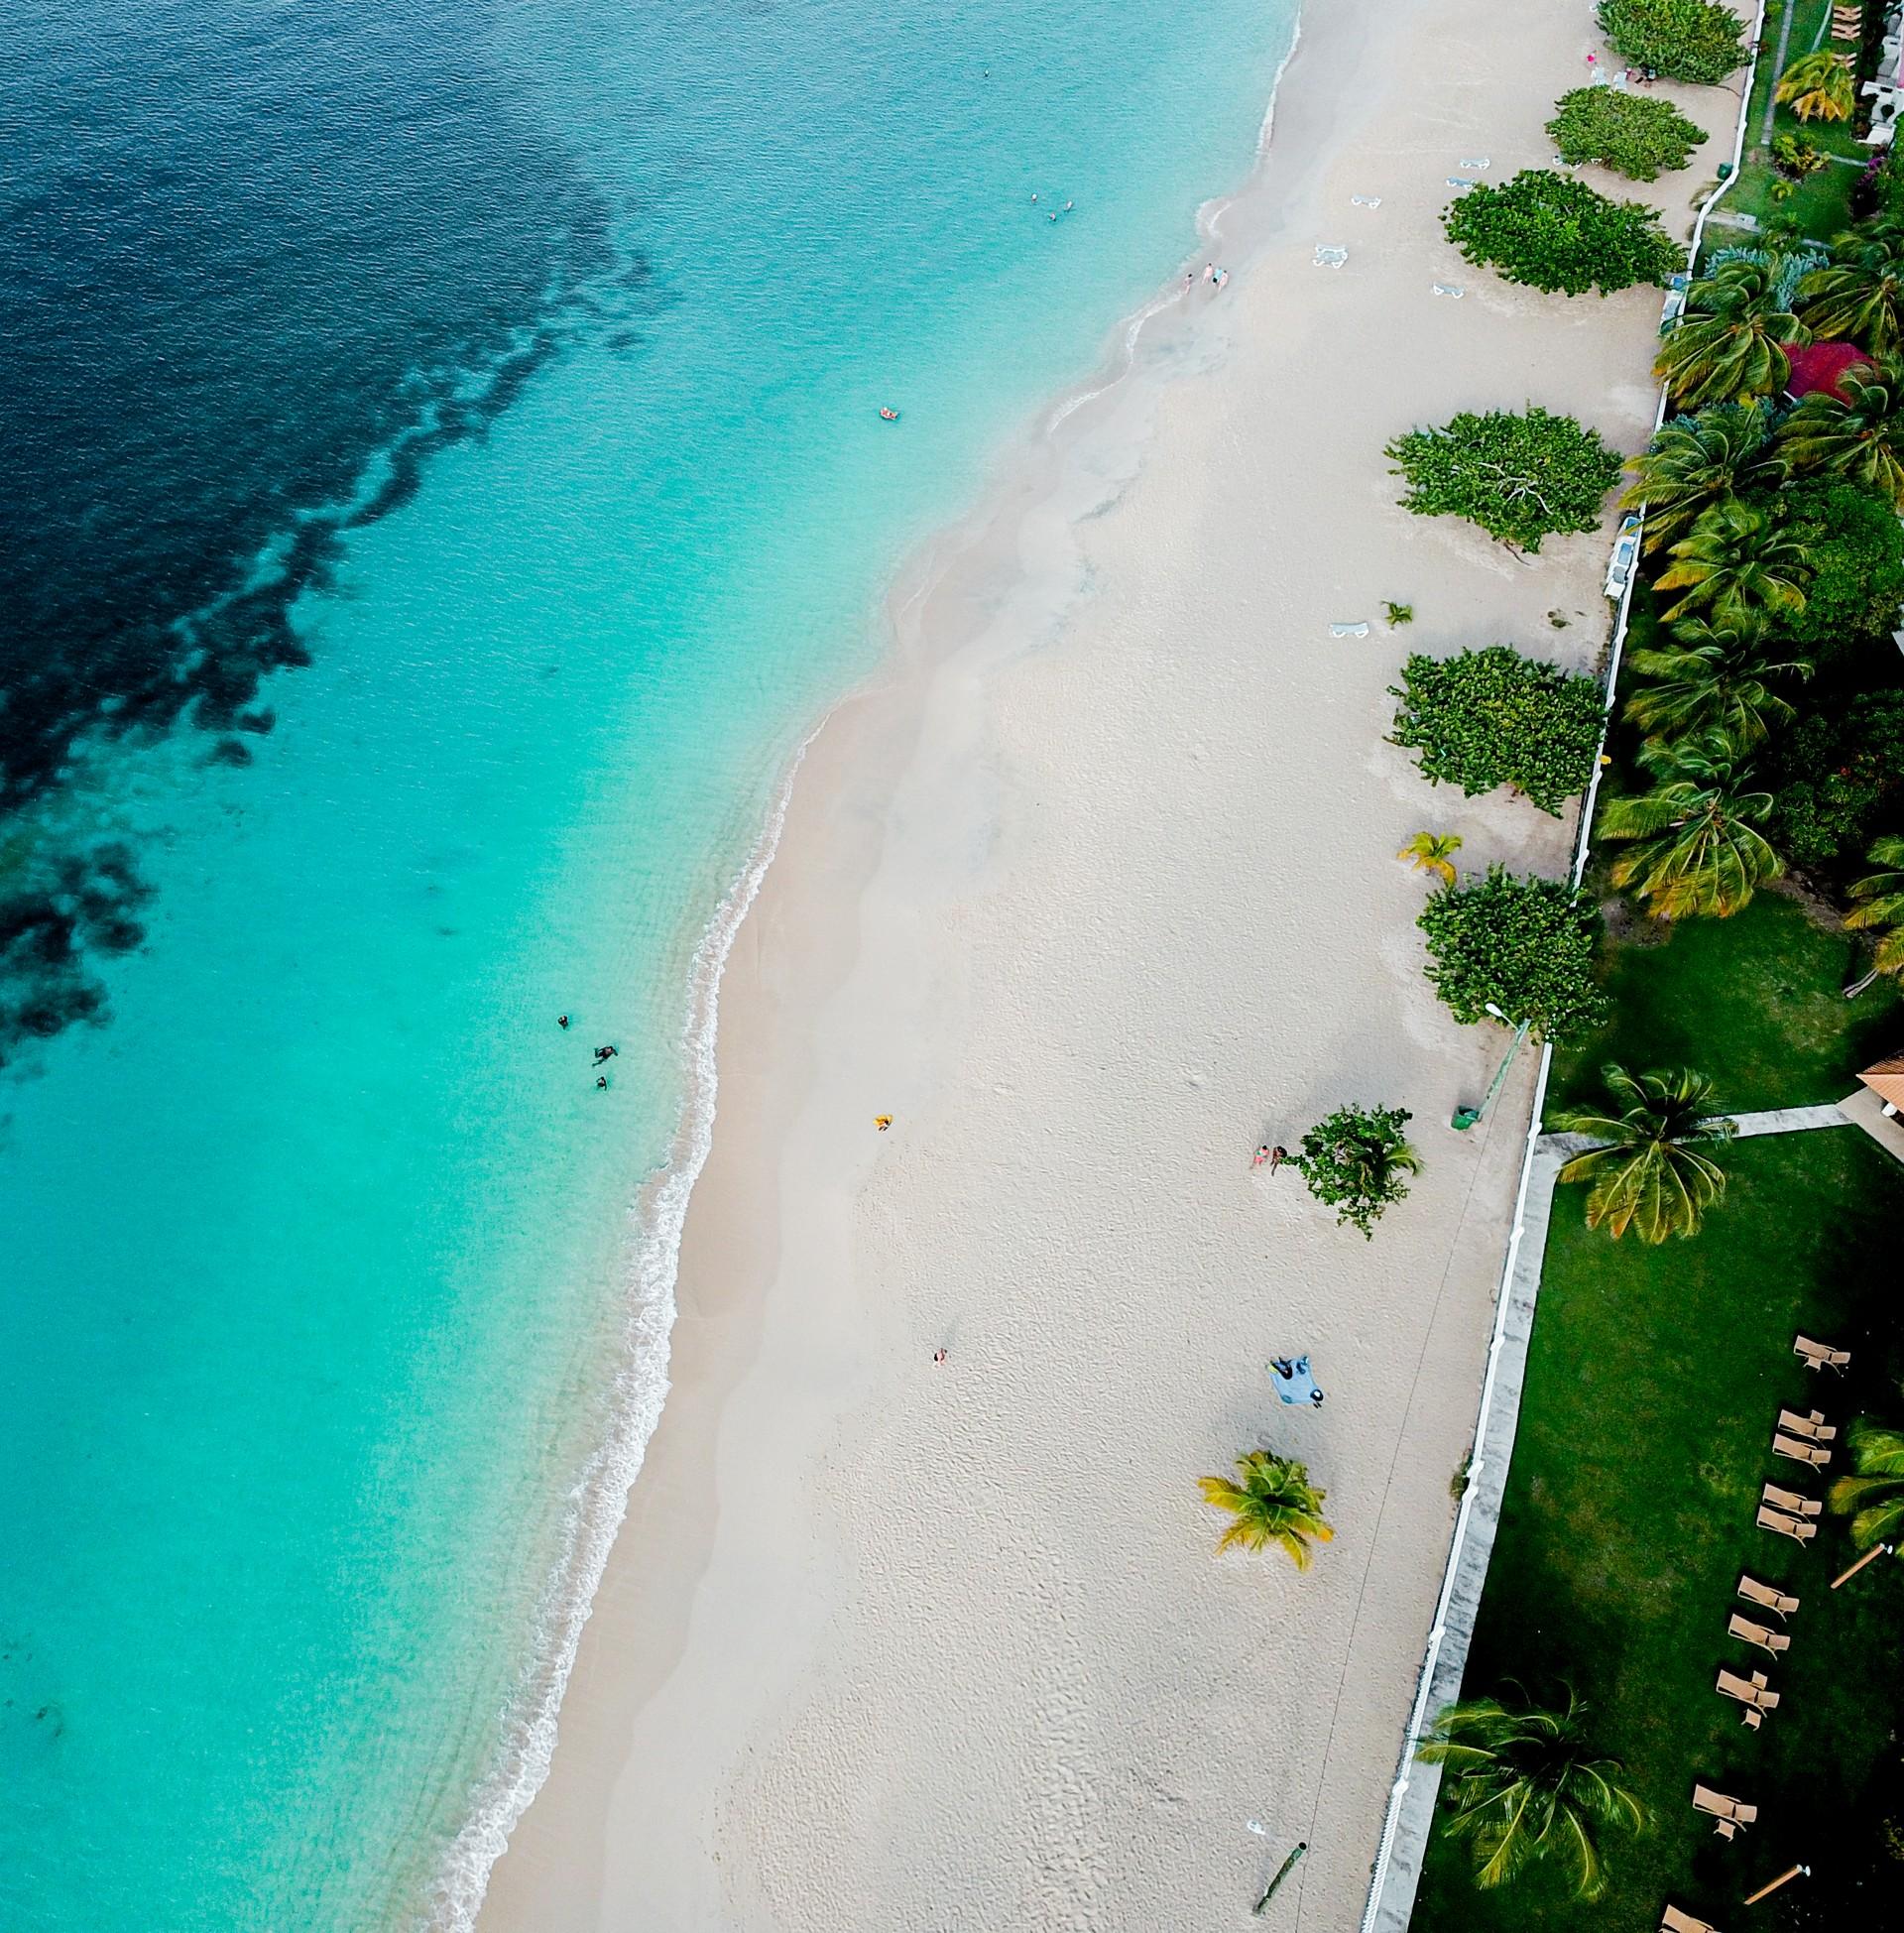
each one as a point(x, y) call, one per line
point(605, 1053)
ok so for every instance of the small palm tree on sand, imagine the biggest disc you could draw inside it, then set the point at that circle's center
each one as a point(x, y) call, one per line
point(1879, 911)
point(1433, 853)
point(1275, 1503)
point(1648, 1174)
point(1873, 1498)
point(1523, 1785)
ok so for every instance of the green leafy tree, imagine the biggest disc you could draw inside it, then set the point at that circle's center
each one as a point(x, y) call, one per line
point(1521, 478)
point(1873, 1496)
point(1877, 910)
point(1272, 1504)
point(1819, 85)
point(1692, 847)
point(1524, 943)
point(1710, 678)
point(1632, 134)
point(1522, 1785)
point(1729, 345)
point(1492, 717)
point(1698, 460)
point(1858, 296)
point(1837, 779)
point(1356, 1161)
point(1736, 566)
point(1681, 40)
point(1433, 853)
point(1553, 232)
point(1648, 1174)
point(1858, 436)
point(1852, 546)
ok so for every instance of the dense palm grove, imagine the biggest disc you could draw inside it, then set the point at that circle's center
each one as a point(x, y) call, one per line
point(1766, 705)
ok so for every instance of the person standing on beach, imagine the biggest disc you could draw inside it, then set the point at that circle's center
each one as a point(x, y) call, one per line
point(1277, 1156)
point(1261, 1155)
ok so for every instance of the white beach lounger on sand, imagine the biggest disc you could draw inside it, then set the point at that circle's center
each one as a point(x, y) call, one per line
point(1480, 161)
point(1459, 180)
point(1449, 288)
point(1364, 201)
point(1330, 258)
point(1349, 630)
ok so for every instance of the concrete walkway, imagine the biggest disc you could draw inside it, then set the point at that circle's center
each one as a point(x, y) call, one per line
point(1864, 1110)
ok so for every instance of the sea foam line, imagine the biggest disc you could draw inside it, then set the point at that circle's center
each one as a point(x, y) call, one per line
point(599, 1500)
point(1207, 216)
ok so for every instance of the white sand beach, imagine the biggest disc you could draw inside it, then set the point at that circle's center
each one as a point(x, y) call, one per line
point(1092, 907)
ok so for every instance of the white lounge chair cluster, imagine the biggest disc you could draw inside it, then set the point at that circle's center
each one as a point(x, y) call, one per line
point(1731, 1813)
point(1674, 1921)
point(1803, 1438)
point(1885, 94)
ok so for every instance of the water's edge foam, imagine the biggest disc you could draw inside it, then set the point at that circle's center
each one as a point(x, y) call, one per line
point(638, 1390)
point(641, 1384)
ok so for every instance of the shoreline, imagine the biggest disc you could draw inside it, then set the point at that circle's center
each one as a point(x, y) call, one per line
point(643, 1379)
point(795, 957)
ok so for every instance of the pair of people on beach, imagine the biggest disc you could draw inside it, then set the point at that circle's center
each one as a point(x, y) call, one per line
point(1275, 1157)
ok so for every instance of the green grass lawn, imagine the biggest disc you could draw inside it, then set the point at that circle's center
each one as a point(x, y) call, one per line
point(1822, 205)
point(1654, 1381)
point(1755, 1001)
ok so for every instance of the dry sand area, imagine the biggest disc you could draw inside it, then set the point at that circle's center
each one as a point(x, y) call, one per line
point(1093, 892)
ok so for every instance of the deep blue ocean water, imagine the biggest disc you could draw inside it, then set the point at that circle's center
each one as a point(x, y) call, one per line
point(443, 485)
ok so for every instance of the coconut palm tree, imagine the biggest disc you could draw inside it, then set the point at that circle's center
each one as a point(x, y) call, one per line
point(1879, 910)
point(1729, 345)
point(1873, 1497)
point(1275, 1504)
point(1525, 1785)
point(1859, 436)
point(1859, 296)
point(1819, 85)
point(1433, 853)
point(1711, 677)
point(1692, 844)
point(1735, 564)
point(1695, 461)
point(1647, 1175)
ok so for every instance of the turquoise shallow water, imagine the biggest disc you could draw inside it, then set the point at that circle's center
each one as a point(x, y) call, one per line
point(321, 1240)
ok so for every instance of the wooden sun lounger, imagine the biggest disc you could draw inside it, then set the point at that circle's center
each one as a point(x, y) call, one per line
point(1789, 1526)
point(1766, 1597)
point(1819, 1355)
point(1800, 1450)
point(1722, 1806)
point(1766, 1639)
point(1672, 1920)
point(1815, 1427)
point(1789, 1502)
